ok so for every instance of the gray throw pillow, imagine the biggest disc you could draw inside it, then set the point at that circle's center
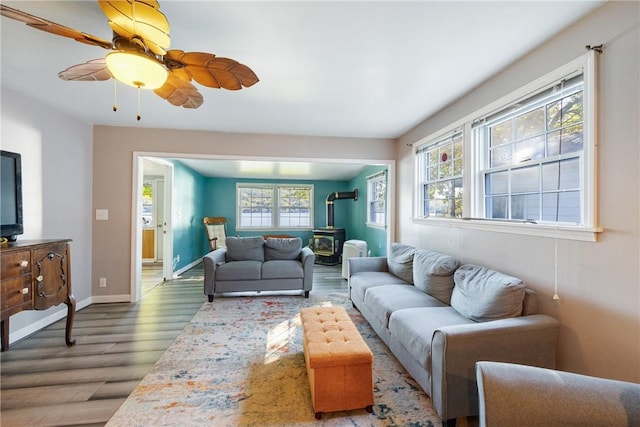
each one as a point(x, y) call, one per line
point(281, 248)
point(245, 248)
point(482, 295)
point(433, 273)
point(400, 261)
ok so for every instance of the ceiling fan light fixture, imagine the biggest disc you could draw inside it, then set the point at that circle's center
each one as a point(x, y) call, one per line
point(137, 69)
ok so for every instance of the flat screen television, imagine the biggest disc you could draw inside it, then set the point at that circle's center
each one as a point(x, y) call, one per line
point(10, 195)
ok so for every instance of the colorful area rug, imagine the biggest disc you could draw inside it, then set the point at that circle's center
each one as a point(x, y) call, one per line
point(240, 363)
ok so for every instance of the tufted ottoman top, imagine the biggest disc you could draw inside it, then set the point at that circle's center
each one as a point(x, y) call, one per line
point(331, 339)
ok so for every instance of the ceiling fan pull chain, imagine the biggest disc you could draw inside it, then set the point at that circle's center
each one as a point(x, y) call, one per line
point(115, 95)
point(138, 117)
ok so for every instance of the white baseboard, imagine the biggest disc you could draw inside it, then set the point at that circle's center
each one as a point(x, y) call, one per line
point(186, 267)
point(46, 321)
point(106, 299)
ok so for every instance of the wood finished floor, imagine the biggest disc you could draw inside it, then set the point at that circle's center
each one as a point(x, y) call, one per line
point(44, 383)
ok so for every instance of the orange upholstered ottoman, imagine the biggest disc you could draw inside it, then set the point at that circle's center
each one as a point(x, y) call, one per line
point(339, 362)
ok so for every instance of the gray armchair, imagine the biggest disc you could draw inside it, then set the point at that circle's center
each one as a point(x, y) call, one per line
point(511, 394)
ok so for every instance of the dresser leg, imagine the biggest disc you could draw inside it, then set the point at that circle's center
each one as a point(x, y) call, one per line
point(5, 335)
point(71, 311)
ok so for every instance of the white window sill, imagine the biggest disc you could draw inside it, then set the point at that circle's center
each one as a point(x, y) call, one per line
point(540, 230)
point(273, 230)
point(376, 226)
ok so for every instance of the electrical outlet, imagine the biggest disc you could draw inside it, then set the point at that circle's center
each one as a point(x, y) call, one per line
point(103, 282)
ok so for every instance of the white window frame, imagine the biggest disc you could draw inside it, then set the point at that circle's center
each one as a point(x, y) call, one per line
point(473, 202)
point(451, 135)
point(482, 140)
point(275, 208)
point(372, 197)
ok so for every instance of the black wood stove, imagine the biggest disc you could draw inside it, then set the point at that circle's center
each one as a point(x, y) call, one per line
point(328, 242)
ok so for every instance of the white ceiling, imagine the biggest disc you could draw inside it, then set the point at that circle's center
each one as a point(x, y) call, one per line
point(326, 68)
point(263, 169)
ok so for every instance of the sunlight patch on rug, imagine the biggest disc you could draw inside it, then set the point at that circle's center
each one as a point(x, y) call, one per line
point(240, 362)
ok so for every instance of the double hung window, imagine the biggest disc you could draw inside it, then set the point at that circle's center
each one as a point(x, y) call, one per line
point(526, 159)
point(532, 156)
point(274, 206)
point(440, 175)
point(377, 200)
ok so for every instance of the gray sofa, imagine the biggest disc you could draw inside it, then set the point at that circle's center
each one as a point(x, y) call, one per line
point(255, 264)
point(439, 318)
point(544, 397)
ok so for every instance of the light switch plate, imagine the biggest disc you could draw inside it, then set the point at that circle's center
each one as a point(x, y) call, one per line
point(102, 214)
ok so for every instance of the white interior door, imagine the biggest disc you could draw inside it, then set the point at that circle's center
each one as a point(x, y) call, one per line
point(158, 194)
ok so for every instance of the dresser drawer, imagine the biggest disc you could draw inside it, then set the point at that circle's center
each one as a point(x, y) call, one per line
point(15, 264)
point(16, 293)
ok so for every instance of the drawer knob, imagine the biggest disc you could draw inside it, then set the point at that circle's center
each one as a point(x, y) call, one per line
point(39, 278)
point(24, 263)
point(25, 291)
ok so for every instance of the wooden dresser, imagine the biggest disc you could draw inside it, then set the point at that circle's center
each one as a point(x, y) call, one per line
point(35, 275)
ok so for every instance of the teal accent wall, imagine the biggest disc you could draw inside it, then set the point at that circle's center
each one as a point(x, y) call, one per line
point(189, 238)
point(357, 226)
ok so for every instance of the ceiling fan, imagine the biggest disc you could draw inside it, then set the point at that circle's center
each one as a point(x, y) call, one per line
point(139, 54)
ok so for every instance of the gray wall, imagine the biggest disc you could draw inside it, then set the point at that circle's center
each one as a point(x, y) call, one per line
point(598, 283)
point(56, 180)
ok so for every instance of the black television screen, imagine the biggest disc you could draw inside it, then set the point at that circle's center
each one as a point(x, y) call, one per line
point(10, 195)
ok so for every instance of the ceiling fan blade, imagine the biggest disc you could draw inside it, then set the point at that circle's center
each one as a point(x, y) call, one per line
point(180, 92)
point(212, 71)
point(94, 70)
point(53, 28)
point(141, 18)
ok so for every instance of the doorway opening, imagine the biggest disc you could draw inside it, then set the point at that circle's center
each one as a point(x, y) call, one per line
point(226, 166)
point(152, 198)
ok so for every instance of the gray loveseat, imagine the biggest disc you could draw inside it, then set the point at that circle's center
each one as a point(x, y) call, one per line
point(255, 264)
point(439, 318)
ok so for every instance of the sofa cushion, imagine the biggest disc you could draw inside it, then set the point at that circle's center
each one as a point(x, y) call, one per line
point(282, 269)
point(239, 270)
point(364, 280)
point(483, 295)
point(275, 248)
point(400, 261)
point(245, 248)
point(384, 300)
point(414, 328)
point(433, 273)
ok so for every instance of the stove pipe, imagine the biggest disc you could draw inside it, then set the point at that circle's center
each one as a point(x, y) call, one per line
point(338, 195)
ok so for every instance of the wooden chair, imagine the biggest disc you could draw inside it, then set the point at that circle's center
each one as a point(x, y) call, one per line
point(216, 227)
